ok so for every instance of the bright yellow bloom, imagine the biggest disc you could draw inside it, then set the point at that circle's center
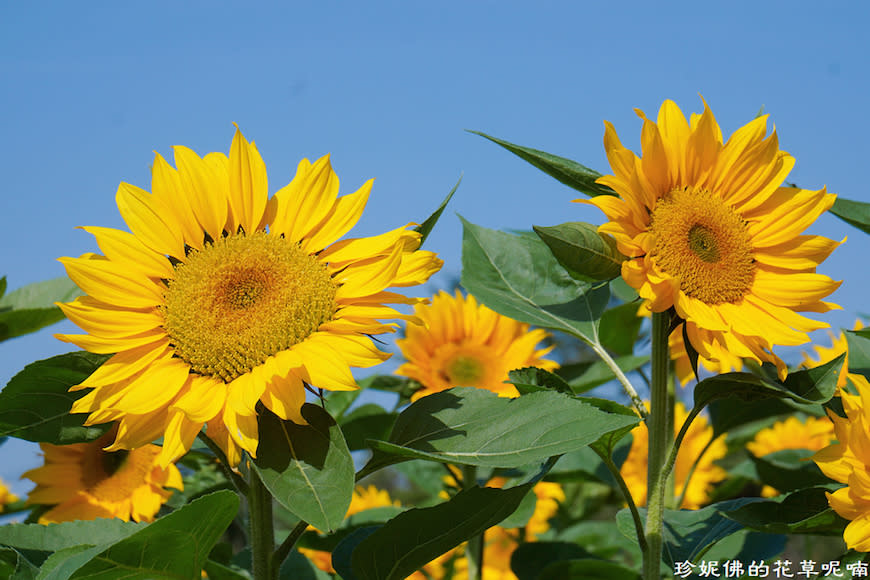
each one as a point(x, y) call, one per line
point(827, 354)
point(223, 298)
point(634, 469)
point(722, 361)
point(84, 482)
point(812, 434)
point(466, 344)
point(6, 496)
point(709, 230)
point(848, 461)
point(363, 498)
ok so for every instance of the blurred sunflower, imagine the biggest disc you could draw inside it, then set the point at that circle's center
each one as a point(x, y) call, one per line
point(827, 354)
point(223, 298)
point(848, 461)
point(463, 343)
point(697, 438)
point(6, 496)
point(84, 482)
point(709, 231)
point(812, 434)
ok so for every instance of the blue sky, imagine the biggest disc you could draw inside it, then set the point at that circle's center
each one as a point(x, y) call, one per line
point(90, 90)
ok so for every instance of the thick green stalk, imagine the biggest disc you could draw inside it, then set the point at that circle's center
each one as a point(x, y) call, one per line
point(658, 424)
point(474, 551)
point(262, 529)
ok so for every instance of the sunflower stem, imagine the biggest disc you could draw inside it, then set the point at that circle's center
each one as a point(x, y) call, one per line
point(660, 439)
point(474, 551)
point(262, 529)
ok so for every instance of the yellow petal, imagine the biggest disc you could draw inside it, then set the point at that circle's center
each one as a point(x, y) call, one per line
point(249, 187)
point(343, 216)
point(143, 215)
point(125, 248)
point(207, 199)
point(113, 283)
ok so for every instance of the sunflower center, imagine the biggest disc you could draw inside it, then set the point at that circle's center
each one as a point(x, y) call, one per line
point(703, 243)
point(242, 299)
point(465, 370)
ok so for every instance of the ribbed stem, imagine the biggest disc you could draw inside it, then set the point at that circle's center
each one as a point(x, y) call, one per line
point(262, 529)
point(660, 437)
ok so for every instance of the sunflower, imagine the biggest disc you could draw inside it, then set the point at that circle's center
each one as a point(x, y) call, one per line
point(84, 482)
point(6, 496)
point(705, 474)
point(463, 343)
point(848, 461)
point(827, 354)
point(222, 298)
point(709, 231)
point(812, 434)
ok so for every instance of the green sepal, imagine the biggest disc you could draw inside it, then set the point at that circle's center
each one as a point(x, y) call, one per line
point(425, 228)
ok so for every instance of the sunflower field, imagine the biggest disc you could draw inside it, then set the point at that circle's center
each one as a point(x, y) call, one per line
point(589, 400)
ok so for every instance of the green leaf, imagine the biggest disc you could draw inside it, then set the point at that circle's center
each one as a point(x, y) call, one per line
point(15, 566)
point(529, 559)
point(603, 539)
point(607, 442)
point(338, 402)
point(854, 213)
point(789, 469)
point(174, 546)
point(307, 468)
point(859, 351)
point(342, 555)
point(2, 287)
point(531, 379)
point(41, 294)
point(418, 536)
point(802, 512)
point(688, 534)
point(35, 404)
point(54, 537)
point(403, 386)
point(745, 545)
point(726, 415)
point(298, 567)
point(31, 307)
point(519, 277)
point(62, 564)
point(569, 172)
point(425, 228)
point(582, 251)
point(587, 570)
point(811, 386)
point(619, 328)
point(369, 421)
point(469, 426)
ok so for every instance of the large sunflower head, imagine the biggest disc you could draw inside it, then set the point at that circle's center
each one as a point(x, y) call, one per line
point(84, 482)
point(465, 344)
point(694, 466)
point(222, 298)
point(710, 231)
